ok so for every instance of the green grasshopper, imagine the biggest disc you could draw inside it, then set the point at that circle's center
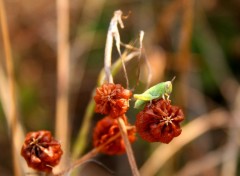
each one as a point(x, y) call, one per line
point(160, 90)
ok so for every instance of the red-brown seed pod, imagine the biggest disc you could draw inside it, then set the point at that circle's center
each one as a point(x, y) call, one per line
point(41, 151)
point(159, 122)
point(107, 128)
point(112, 99)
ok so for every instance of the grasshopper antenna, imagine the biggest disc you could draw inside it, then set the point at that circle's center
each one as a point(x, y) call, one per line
point(173, 79)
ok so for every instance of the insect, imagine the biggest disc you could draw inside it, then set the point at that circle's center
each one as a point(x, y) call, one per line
point(160, 90)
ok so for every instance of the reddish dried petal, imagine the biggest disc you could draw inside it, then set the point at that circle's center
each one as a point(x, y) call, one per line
point(159, 122)
point(107, 128)
point(41, 151)
point(112, 99)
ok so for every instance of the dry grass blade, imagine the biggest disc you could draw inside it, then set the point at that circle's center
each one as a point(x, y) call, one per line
point(11, 113)
point(215, 119)
point(231, 153)
point(210, 160)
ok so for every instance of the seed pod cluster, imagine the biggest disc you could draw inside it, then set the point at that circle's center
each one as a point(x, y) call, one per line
point(159, 121)
point(107, 128)
point(41, 151)
point(112, 99)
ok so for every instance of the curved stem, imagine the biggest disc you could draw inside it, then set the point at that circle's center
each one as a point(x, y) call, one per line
point(90, 154)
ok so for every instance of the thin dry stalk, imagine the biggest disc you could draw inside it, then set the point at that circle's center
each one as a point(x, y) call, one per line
point(113, 33)
point(80, 143)
point(231, 153)
point(90, 154)
point(129, 150)
point(216, 119)
point(14, 124)
point(62, 104)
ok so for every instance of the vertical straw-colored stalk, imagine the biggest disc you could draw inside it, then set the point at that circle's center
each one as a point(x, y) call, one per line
point(62, 104)
point(12, 115)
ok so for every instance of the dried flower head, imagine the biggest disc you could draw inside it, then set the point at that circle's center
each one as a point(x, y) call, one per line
point(112, 99)
point(41, 151)
point(107, 128)
point(159, 122)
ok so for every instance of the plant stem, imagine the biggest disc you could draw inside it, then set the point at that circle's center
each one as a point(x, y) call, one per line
point(90, 154)
point(80, 143)
point(129, 151)
point(13, 122)
point(113, 32)
point(62, 104)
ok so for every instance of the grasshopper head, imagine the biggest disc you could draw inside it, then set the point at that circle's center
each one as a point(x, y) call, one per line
point(168, 88)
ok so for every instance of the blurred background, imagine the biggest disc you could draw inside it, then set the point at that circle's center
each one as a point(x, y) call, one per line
point(198, 41)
